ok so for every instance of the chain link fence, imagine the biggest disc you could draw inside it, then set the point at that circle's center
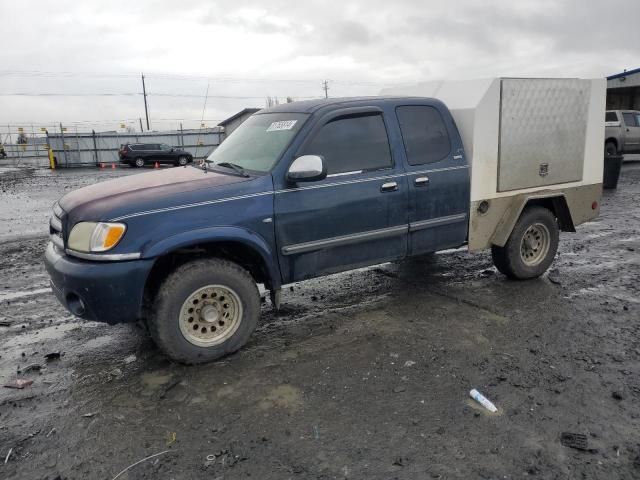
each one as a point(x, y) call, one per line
point(28, 146)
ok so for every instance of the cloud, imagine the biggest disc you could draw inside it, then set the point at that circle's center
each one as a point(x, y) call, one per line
point(286, 47)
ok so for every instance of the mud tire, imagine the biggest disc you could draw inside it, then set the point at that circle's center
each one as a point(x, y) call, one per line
point(508, 259)
point(164, 318)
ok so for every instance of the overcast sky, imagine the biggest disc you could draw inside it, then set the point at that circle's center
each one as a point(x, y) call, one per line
point(248, 50)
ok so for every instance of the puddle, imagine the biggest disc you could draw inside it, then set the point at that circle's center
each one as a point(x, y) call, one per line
point(4, 296)
point(46, 333)
point(282, 396)
point(97, 342)
point(13, 348)
point(594, 236)
point(494, 317)
point(153, 380)
point(606, 291)
point(629, 239)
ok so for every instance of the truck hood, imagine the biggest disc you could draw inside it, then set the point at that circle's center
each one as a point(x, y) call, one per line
point(160, 188)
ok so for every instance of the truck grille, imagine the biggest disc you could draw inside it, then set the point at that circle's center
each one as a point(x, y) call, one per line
point(55, 227)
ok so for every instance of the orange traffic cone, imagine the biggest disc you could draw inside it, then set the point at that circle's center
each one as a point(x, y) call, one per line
point(157, 165)
point(113, 166)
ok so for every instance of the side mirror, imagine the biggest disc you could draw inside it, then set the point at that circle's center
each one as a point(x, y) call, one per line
point(307, 168)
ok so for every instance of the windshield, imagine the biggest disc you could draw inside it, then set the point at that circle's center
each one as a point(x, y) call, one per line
point(257, 144)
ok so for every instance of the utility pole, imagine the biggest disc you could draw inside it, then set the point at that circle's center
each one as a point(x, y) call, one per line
point(144, 94)
point(141, 129)
point(325, 87)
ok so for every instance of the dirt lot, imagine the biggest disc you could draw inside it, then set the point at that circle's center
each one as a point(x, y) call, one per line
point(364, 375)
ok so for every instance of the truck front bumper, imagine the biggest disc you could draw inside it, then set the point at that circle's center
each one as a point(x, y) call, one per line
point(110, 292)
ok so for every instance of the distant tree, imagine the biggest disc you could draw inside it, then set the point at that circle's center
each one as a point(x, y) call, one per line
point(22, 139)
point(290, 100)
point(129, 129)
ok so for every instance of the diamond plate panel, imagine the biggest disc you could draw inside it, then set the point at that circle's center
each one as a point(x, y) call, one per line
point(543, 125)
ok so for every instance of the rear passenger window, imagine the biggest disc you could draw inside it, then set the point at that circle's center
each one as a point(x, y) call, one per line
point(629, 119)
point(424, 134)
point(611, 117)
point(350, 144)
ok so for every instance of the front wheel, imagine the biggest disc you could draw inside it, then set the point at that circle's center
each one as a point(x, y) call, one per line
point(531, 247)
point(182, 161)
point(204, 310)
point(139, 162)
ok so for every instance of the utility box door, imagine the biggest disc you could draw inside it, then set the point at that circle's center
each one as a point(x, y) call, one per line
point(543, 125)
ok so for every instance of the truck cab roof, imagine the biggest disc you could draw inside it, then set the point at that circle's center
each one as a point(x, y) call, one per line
point(329, 104)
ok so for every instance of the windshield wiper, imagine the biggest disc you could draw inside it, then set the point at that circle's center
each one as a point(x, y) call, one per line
point(235, 167)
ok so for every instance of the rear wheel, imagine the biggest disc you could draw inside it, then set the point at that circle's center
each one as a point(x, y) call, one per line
point(204, 310)
point(139, 162)
point(531, 247)
point(610, 149)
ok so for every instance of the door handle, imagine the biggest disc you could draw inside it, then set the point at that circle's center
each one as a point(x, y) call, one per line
point(389, 187)
point(421, 181)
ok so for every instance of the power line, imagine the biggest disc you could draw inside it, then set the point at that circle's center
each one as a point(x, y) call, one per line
point(40, 73)
point(38, 123)
point(231, 97)
point(41, 94)
point(175, 76)
point(133, 94)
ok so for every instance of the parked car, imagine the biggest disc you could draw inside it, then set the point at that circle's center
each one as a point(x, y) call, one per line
point(622, 132)
point(141, 154)
point(316, 187)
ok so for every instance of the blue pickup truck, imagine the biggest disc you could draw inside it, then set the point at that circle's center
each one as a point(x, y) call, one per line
point(297, 191)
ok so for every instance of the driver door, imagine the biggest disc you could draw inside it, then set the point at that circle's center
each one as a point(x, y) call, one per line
point(165, 155)
point(354, 217)
point(632, 131)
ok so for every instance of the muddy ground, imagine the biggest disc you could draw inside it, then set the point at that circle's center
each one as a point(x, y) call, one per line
point(364, 375)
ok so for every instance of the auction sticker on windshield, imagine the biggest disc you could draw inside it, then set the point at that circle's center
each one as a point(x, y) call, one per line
point(282, 125)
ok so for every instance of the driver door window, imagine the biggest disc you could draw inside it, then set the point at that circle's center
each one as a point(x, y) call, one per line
point(352, 144)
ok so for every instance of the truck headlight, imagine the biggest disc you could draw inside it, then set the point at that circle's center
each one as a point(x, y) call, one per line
point(95, 236)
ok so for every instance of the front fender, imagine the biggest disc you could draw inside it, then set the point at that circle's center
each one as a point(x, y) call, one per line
point(217, 234)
